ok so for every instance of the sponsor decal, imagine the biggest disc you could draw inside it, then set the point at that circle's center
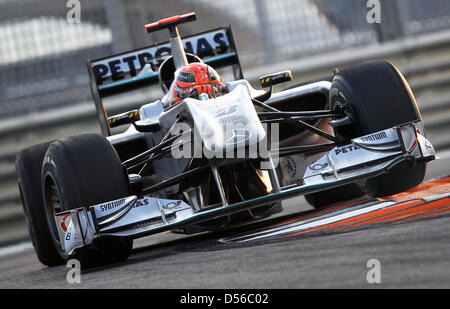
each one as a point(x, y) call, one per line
point(63, 223)
point(237, 136)
point(130, 64)
point(226, 111)
point(413, 146)
point(71, 236)
point(234, 119)
point(374, 137)
point(142, 202)
point(346, 149)
point(318, 167)
point(111, 205)
point(277, 77)
point(207, 106)
point(172, 205)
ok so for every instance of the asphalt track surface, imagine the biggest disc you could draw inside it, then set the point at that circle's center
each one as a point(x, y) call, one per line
point(300, 248)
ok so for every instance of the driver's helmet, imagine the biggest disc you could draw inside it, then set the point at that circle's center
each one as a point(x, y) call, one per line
point(195, 80)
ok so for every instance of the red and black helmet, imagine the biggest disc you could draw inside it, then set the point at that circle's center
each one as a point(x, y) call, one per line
point(194, 79)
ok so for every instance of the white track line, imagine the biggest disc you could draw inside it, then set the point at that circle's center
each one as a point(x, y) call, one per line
point(319, 221)
point(13, 249)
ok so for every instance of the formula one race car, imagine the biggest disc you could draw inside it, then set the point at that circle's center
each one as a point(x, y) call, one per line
point(209, 153)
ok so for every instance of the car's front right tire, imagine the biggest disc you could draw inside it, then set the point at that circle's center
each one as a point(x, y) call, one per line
point(28, 170)
point(81, 171)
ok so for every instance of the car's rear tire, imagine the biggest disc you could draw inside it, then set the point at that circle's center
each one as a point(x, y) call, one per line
point(28, 170)
point(85, 170)
point(376, 96)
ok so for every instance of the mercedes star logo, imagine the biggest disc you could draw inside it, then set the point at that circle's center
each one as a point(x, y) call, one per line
point(236, 136)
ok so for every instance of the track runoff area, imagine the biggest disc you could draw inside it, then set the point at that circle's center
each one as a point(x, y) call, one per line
point(410, 228)
point(428, 199)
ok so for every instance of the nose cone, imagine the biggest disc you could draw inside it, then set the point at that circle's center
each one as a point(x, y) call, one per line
point(227, 123)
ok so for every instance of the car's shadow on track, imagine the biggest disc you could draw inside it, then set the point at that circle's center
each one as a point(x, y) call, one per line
point(207, 241)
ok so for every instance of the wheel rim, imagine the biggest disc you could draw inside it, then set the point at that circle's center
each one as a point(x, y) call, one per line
point(346, 126)
point(52, 204)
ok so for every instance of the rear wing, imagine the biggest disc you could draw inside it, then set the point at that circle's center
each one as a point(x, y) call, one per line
point(125, 72)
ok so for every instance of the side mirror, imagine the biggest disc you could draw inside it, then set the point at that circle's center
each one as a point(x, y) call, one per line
point(125, 118)
point(275, 79)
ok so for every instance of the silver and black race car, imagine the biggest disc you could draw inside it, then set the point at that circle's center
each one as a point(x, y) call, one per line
point(209, 161)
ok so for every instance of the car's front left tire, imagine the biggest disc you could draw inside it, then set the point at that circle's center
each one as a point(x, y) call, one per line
point(376, 96)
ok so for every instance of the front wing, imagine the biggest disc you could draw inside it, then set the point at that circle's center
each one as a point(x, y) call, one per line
point(134, 217)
